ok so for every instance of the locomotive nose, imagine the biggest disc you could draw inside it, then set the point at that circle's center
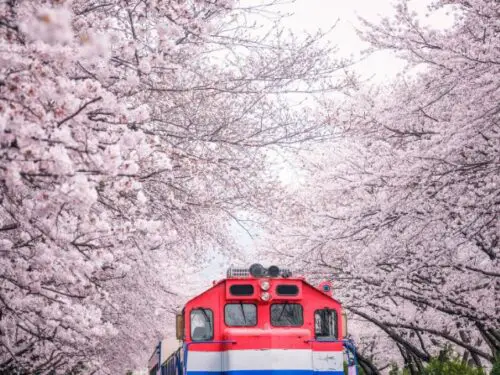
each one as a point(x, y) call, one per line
point(262, 350)
point(268, 338)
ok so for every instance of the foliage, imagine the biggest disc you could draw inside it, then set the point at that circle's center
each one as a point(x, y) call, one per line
point(442, 367)
point(450, 367)
point(395, 370)
point(496, 367)
point(402, 212)
point(360, 369)
point(132, 134)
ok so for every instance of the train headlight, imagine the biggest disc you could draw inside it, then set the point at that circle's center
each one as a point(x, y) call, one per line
point(257, 270)
point(265, 296)
point(264, 285)
point(273, 271)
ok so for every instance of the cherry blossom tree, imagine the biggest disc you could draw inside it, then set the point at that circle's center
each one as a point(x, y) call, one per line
point(132, 134)
point(403, 212)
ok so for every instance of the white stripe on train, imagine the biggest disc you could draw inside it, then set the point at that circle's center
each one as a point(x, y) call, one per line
point(265, 359)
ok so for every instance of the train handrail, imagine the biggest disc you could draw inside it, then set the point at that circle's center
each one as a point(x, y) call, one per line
point(180, 370)
point(187, 345)
point(174, 356)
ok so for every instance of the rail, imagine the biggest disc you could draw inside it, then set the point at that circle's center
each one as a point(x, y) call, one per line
point(172, 365)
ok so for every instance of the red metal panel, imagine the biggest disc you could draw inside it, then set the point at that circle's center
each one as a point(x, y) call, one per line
point(256, 287)
point(276, 297)
point(263, 336)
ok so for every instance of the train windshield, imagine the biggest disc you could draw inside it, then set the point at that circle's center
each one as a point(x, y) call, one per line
point(202, 324)
point(286, 315)
point(240, 315)
point(325, 323)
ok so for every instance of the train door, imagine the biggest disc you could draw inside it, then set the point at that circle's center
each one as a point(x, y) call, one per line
point(327, 350)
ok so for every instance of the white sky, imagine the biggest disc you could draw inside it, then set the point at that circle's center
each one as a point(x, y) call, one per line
point(311, 15)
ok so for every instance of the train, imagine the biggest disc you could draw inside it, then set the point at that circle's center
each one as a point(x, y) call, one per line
point(260, 321)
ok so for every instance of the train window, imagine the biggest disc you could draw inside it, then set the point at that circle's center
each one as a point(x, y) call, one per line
point(286, 314)
point(287, 290)
point(241, 290)
point(202, 324)
point(240, 315)
point(325, 323)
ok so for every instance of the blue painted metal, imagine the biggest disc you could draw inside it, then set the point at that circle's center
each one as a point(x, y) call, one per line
point(172, 365)
point(159, 357)
point(267, 372)
point(178, 362)
point(158, 350)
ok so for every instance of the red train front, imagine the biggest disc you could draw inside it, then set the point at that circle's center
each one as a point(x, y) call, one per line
point(259, 322)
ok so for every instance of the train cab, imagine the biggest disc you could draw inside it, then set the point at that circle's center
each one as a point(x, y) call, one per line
point(262, 321)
